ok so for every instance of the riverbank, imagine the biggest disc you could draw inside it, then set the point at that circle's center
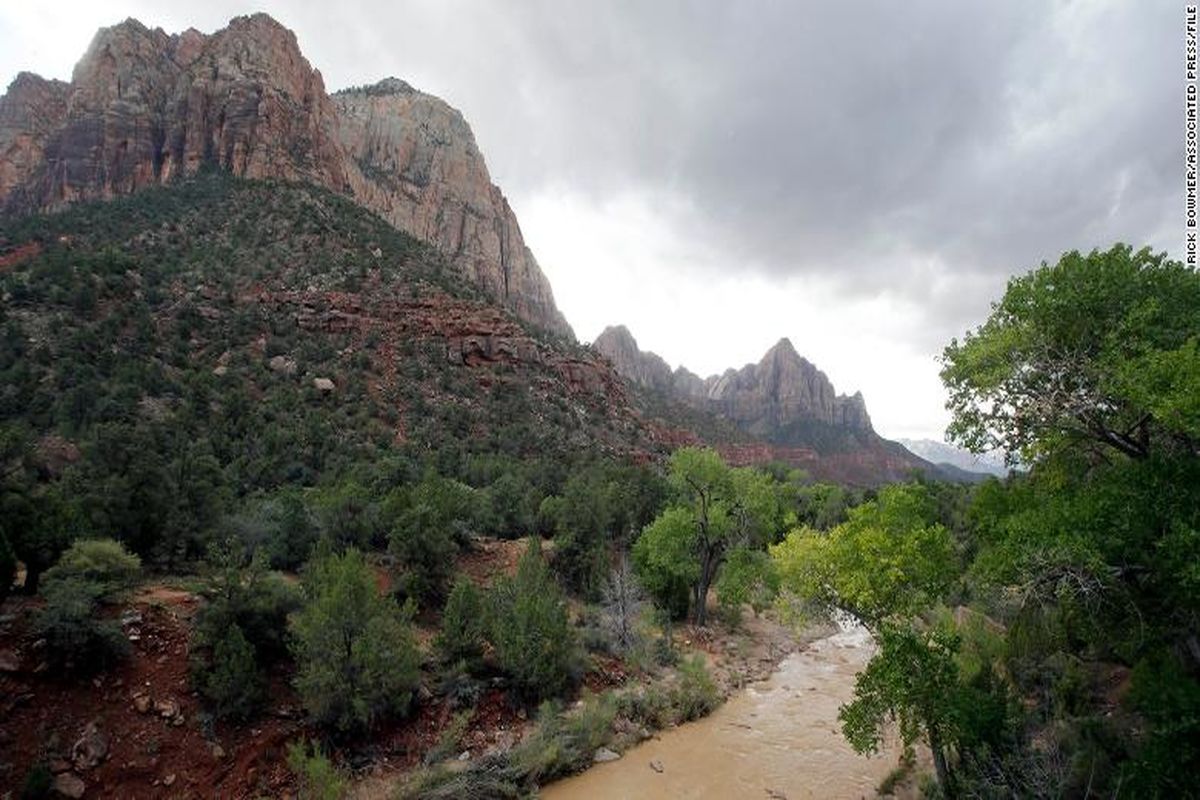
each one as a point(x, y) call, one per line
point(777, 738)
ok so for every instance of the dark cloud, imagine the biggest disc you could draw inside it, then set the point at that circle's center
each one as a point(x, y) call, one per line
point(889, 143)
point(885, 142)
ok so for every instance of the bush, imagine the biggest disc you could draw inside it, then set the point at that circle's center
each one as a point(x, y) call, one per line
point(433, 518)
point(531, 631)
point(356, 657)
point(103, 563)
point(316, 775)
point(564, 744)
point(462, 632)
point(76, 636)
point(242, 592)
point(696, 694)
point(233, 684)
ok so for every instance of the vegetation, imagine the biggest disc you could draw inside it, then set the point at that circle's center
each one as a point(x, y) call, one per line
point(318, 778)
point(1080, 568)
point(716, 510)
point(461, 636)
point(90, 574)
point(531, 630)
point(356, 658)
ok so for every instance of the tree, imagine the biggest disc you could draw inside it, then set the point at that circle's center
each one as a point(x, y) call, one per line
point(461, 637)
point(748, 577)
point(717, 508)
point(914, 680)
point(531, 629)
point(429, 521)
point(622, 604)
point(887, 560)
point(233, 683)
point(1097, 349)
point(356, 657)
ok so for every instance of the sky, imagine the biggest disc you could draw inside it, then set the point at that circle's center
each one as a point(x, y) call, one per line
point(862, 178)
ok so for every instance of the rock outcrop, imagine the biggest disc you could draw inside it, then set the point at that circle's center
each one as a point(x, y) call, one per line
point(144, 107)
point(783, 408)
point(781, 390)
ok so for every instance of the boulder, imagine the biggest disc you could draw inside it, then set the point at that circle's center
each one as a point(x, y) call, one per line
point(90, 748)
point(68, 784)
point(323, 385)
point(604, 755)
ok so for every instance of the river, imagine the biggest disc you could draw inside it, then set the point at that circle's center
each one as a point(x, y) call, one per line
point(777, 739)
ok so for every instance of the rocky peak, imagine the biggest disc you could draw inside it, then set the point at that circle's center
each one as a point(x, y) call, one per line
point(780, 391)
point(617, 344)
point(144, 107)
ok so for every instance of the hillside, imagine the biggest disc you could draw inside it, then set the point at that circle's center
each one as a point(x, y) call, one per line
point(255, 334)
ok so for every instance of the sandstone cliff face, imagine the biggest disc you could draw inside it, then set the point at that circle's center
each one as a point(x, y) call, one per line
point(416, 163)
point(144, 107)
point(782, 389)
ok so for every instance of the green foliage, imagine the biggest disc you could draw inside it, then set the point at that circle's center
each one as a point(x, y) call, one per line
point(461, 637)
point(77, 637)
point(242, 593)
point(531, 631)
point(695, 694)
point(749, 577)
point(1096, 349)
point(316, 775)
point(663, 558)
point(356, 658)
point(913, 680)
point(887, 560)
point(563, 744)
point(717, 508)
point(1168, 695)
point(103, 563)
point(233, 684)
point(432, 518)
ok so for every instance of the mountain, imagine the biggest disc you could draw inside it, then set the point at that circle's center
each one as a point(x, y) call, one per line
point(144, 108)
point(289, 331)
point(944, 454)
point(782, 408)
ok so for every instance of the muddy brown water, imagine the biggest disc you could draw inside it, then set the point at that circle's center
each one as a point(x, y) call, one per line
point(777, 739)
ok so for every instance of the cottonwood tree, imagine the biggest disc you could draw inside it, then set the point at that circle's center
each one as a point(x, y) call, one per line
point(717, 508)
point(1098, 349)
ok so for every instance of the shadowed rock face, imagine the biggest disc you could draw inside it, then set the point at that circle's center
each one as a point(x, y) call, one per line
point(144, 107)
point(781, 390)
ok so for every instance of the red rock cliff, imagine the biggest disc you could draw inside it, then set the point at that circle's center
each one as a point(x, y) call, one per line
point(143, 107)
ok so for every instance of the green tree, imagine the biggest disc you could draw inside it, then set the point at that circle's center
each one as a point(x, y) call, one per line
point(1096, 350)
point(233, 683)
point(887, 560)
point(430, 520)
point(461, 636)
point(356, 658)
point(531, 629)
point(913, 680)
point(717, 508)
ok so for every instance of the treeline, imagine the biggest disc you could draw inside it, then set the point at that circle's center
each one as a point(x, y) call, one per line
point(1043, 643)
